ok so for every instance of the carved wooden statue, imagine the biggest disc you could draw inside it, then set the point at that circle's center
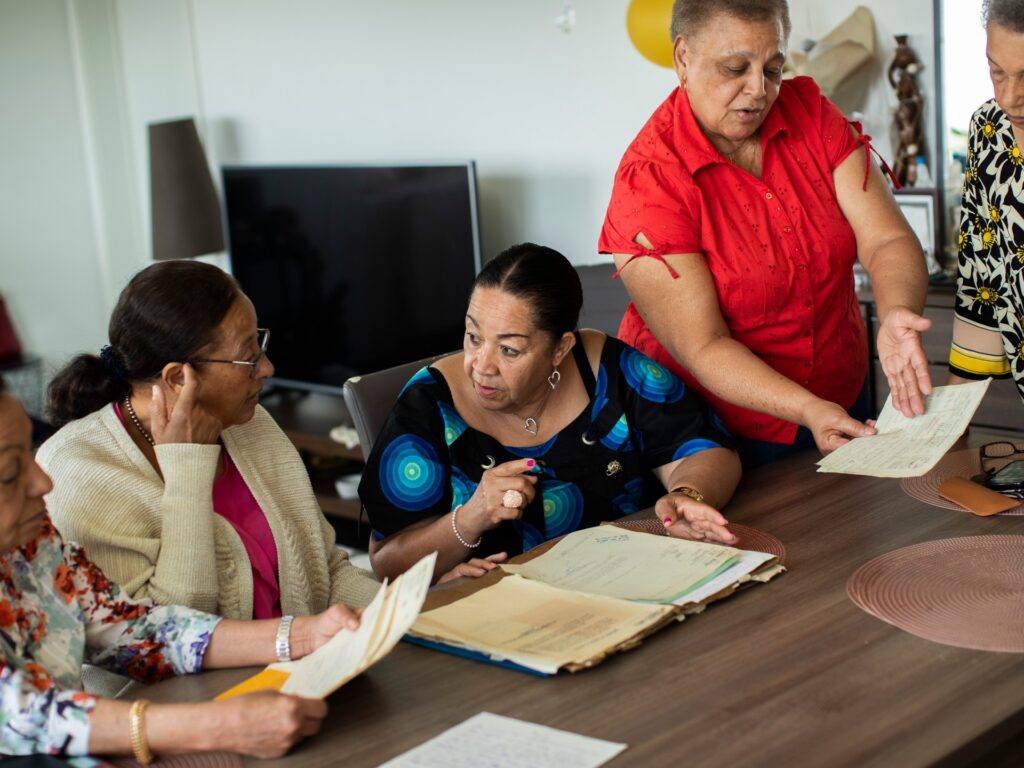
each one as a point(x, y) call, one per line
point(909, 111)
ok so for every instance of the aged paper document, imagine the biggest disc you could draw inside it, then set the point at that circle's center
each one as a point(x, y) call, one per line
point(488, 740)
point(630, 565)
point(537, 625)
point(347, 654)
point(737, 573)
point(910, 447)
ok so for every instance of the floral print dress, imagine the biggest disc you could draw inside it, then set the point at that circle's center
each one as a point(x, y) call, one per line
point(988, 332)
point(58, 611)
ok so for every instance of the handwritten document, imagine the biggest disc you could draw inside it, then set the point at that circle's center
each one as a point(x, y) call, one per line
point(910, 447)
point(491, 740)
point(347, 654)
point(536, 625)
point(630, 565)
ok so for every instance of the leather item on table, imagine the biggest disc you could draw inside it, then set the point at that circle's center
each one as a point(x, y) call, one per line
point(975, 498)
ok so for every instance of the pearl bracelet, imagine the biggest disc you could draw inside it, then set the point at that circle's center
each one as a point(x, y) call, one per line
point(455, 530)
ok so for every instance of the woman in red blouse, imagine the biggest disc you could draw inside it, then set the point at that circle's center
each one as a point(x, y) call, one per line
point(751, 194)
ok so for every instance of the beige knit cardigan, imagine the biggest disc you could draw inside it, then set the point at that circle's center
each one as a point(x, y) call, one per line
point(161, 539)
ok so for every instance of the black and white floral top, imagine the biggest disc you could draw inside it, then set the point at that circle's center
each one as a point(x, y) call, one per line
point(988, 334)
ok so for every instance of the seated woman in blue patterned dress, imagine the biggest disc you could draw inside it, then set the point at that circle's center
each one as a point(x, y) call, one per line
point(536, 430)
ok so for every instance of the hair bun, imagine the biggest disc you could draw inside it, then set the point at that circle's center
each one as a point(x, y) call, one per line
point(112, 363)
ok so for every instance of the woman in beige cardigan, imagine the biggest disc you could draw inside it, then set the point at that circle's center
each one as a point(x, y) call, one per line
point(166, 469)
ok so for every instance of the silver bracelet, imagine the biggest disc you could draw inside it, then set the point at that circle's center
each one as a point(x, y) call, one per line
point(283, 642)
point(455, 530)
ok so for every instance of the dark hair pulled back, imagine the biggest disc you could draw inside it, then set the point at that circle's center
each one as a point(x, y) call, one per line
point(543, 278)
point(167, 313)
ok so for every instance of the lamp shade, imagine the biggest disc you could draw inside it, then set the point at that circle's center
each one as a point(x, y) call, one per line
point(185, 210)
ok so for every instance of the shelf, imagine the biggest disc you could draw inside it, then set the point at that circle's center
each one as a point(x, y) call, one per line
point(308, 418)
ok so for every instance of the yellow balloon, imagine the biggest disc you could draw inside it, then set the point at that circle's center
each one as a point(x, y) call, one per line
point(647, 22)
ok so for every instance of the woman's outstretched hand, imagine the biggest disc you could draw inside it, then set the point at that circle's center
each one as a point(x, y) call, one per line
point(475, 567)
point(903, 359)
point(686, 518)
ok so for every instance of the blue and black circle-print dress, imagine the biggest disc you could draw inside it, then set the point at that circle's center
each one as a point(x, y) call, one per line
point(427, 460)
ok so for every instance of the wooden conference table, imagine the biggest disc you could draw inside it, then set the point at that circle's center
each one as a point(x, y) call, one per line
point(788, 673)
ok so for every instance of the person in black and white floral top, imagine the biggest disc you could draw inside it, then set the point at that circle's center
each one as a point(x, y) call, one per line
point(988, 330)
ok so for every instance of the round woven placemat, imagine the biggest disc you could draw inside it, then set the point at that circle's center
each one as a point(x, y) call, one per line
point(749, 538)
point(966, 463)
point(966, 592)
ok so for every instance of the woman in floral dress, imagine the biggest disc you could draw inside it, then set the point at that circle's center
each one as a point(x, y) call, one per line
point(58, 610)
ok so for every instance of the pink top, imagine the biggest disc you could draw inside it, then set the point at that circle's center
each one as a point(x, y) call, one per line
point(233, 501)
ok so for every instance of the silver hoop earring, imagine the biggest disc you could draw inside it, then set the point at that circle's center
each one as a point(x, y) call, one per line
point(554, 378)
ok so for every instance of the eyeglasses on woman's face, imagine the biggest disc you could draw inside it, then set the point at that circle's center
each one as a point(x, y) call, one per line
point(262, 340)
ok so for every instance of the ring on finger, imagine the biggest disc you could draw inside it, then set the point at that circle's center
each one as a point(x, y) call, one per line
point(512, 499)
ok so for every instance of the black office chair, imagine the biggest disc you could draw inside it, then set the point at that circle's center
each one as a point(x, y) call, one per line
point(370, 398)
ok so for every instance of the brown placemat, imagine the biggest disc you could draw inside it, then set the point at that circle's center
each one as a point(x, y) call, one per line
point(965, 463)
point(749, 538)
point(201, 760)
point(966, 592)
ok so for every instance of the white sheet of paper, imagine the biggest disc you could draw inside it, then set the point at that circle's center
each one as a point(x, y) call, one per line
point(630, 565)
point(488, 741)
point(748, 562)
point(393, 610)
point(910, 447)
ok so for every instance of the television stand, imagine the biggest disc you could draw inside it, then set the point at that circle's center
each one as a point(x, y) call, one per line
point(307, 418)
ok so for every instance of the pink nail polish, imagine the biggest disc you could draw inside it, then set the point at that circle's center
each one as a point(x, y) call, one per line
point(668, 520)
point(530, 463)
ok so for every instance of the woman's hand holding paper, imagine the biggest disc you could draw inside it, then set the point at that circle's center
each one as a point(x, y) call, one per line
point(310, 632)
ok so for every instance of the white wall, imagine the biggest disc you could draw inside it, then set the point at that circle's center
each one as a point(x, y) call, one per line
point(49, 252)
point(868, 91)
point(545, 114)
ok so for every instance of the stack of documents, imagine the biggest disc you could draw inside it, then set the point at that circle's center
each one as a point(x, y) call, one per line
point(596, 591)
point(348, 654)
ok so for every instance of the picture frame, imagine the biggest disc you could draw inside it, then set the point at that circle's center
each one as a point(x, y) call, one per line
point(921, 212)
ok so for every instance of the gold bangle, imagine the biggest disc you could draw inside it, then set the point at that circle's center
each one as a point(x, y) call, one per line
point(140, 747)
point(688, 491)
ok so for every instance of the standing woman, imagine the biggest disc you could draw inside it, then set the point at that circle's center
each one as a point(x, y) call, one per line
point(988, 329)
point(736, 217)
point(167, 470)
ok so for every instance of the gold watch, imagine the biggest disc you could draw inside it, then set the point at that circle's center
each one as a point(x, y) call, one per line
point(686, 490)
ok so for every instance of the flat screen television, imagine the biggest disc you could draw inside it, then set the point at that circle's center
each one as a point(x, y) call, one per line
point(353, 268)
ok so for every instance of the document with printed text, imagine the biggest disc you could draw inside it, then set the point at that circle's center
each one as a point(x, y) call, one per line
point(538, 626)
point(909, 447)
point(630, 565)
point(487, 739)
